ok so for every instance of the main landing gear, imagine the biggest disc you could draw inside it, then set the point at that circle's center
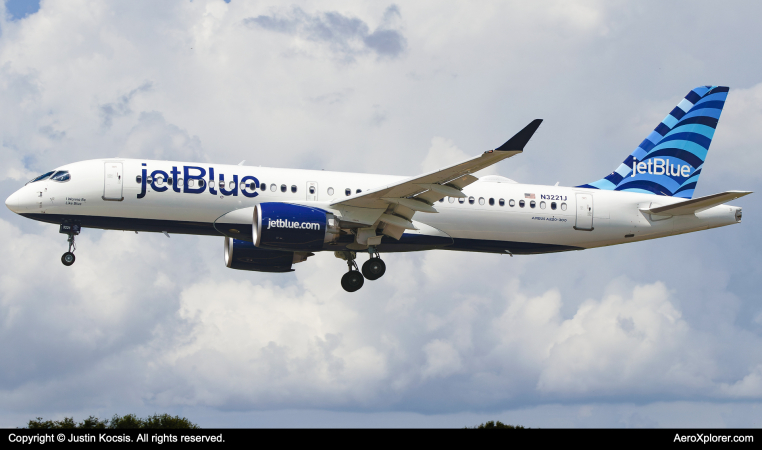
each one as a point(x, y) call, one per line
point(71, 230)
point(373, 269)
point(352, 280)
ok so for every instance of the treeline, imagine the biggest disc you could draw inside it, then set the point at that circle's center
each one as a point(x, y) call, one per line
point(130, 421)
point(492, 425)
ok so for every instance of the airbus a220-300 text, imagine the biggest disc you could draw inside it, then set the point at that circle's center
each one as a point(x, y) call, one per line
point(271, 219)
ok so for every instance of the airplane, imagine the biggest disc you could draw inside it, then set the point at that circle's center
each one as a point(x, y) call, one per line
point(272, 218)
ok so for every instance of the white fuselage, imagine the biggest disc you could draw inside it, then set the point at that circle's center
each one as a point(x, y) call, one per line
point(553, 218)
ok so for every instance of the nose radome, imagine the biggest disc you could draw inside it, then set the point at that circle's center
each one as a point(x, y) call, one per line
point(12, 201)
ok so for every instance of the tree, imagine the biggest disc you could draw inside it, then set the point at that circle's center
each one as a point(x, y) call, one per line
point(489, 425)
point(129, 421)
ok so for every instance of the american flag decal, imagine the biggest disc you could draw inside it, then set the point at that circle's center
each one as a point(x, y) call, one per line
point(528, 195)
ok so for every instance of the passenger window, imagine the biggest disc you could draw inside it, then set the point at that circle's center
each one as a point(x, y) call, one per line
point(481, 201)
point(263, 186)
point(512, 203)
point(211, 183)
point(563, 206)
point(451, 199)
point(283, 188)
point(293, 189)
point(348, 192)
point(330, 191)
point(532, 204)
point(179, 181)
point(461, 200)
point(273, 187)
point(138, 179)
point(159, 181)
point(492, 202)
point(553, 206)
point(169, 181)
point(501, 202)
point(149, 179)
point(521, 203)
point(471, 200)
point(542, 205)
point(201, 183)
point(358, 191)
point(312, 190)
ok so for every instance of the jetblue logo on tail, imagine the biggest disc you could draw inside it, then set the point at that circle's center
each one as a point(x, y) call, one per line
point(658, 166)
point(670, 159)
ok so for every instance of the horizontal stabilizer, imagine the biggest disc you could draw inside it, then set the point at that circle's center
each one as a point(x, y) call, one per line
point(696, 205)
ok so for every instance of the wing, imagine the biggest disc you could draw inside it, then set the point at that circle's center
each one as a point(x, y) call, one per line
point(398, 202)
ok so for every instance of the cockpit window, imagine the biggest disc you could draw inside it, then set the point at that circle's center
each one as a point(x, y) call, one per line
point(61, 176)
point(41, 177)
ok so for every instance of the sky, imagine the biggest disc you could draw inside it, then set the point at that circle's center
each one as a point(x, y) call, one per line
point(662, 333)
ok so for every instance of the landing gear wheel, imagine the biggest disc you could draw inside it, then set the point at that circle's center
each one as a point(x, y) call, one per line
point(373, 269)
point(68, 258)
point(352, 281)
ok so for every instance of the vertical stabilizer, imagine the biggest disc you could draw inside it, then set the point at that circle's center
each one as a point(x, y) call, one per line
point(670, 159)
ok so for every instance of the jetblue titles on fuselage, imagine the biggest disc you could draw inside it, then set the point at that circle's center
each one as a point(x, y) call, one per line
point(193, 181)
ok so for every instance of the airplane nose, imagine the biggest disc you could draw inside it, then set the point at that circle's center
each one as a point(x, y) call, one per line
point(12, 202)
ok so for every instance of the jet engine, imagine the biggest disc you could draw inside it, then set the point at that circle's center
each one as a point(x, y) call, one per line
point(243, 255)
point(284, 226)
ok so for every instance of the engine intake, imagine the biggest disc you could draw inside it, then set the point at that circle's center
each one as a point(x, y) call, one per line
point(283, 226)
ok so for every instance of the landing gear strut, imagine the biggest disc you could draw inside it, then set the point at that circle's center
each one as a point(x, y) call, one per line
point(71, 230)
point(374, 268)
point(352, 280)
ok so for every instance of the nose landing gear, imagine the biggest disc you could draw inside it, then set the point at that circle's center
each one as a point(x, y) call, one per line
point(71, 230)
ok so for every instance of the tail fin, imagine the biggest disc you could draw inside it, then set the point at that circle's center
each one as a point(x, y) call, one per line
point(669, 160)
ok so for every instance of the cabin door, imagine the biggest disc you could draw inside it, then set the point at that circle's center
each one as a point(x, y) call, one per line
point(584, 212)
point(113, 181)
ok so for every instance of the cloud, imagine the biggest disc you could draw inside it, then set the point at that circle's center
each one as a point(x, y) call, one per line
point(442, 359)
point(347, 37)
point(152, 137)
point(748, 387)
point(121, 107)
point(443, 152)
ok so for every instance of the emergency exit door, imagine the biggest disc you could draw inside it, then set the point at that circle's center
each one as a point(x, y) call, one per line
point(584, 212)
point(113, 182)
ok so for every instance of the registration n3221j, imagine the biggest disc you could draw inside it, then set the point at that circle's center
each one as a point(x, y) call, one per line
point(271, 219)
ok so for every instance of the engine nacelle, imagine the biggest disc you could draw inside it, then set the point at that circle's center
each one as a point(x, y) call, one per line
point(283, 226)
point(243, 255)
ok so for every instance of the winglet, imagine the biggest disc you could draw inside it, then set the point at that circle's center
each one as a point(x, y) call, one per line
point(521, 138)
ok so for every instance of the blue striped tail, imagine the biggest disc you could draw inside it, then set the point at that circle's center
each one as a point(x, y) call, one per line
point(669, 160)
